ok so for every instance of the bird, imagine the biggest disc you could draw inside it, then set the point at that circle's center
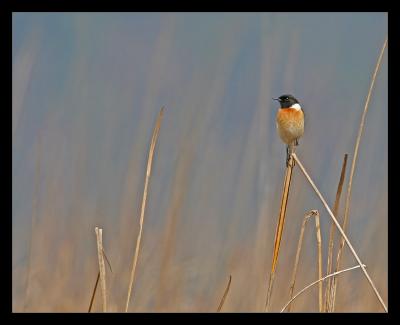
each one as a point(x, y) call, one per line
point(289, 122)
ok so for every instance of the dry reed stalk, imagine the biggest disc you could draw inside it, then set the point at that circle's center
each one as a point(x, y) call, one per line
point(279, 228)
point(97, 282)
point(102, 269)
point(144, 200)
point(225, 294)
point(312, 213)
point(353, 164)
point(296, 261)
point(319, 245)
point(332, 232)
point(340, 230)
point(318, 281)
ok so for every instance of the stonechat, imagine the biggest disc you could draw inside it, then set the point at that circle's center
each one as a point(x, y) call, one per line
point(289, 122)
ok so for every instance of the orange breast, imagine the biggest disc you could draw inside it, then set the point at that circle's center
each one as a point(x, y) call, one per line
point(289, 115)
point(290, 123)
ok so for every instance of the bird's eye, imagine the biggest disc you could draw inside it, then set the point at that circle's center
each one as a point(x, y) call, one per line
point(286, 98)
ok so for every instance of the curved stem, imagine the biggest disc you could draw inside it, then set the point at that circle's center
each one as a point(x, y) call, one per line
point(315, 282)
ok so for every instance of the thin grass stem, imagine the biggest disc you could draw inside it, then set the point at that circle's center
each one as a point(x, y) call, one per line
point(144, 200)
point(221, 303)
point(94, 292)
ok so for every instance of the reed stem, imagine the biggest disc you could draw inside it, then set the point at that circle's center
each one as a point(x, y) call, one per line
point(279, 228)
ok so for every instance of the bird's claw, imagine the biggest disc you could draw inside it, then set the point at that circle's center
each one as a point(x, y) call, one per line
point(288, 161)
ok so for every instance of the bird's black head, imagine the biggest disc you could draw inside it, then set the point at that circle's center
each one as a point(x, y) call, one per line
point(286, 100)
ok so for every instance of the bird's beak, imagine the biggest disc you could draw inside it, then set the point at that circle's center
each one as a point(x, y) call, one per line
point(276, 99)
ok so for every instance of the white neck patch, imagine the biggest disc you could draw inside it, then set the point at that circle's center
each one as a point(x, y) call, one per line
point(296, 106)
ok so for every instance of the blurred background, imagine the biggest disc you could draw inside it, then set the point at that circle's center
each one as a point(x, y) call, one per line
point(87, 89)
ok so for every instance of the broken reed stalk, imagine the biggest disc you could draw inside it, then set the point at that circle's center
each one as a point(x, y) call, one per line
point(144, 200)
point(102, 269)
point(225, 294)
point(296, 261)
point(353, 164)
point(279, 228)
point(340, 230)
point(318, 281)
point(332, 232)
point(312, 213)
point(97, 282)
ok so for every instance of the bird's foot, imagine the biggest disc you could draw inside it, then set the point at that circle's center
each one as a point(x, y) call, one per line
point(288, 159)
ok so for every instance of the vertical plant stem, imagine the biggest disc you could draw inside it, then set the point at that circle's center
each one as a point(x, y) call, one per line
point(97, 282)
point(312, 213)
point(279, 228)
point(332, 232)
point(341, 231)
point(352, 169)
point(225, 294)
point(319, 246)
point(144, 200)
point(102, 269)
point(296, 262)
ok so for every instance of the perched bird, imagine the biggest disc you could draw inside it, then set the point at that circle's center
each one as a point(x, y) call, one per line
point(289, 122)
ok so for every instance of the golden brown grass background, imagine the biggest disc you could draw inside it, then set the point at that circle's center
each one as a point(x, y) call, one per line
point(87, 88)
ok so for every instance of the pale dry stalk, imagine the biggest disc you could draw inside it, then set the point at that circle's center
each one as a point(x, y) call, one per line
point(312, 213)
point(102, 269)
point(144, 200)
